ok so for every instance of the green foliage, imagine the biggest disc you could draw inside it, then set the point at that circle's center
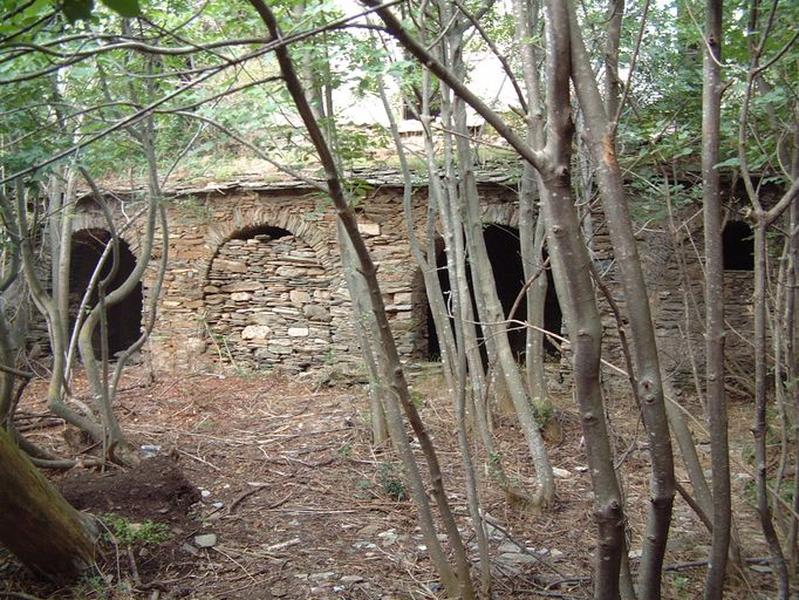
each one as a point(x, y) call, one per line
point(126, 532)
point(75, 10)
point(543, 412)
point(362, 487)
point(681, 585)
point(198, 209)
point(91, 585)
point(391, 481)
point(417, 398)
point(786, 491)
point(495, 464)
point(345, 450)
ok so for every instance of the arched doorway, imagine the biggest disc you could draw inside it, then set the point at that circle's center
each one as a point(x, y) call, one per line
point(268, 301)
point(504, 254)
point(124, 318)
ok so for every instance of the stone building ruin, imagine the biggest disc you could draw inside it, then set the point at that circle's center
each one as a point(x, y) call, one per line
point(254, 278)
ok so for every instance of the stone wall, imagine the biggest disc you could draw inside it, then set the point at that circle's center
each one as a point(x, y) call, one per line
point(254, 280)
point(236, 294)
point(269, 302)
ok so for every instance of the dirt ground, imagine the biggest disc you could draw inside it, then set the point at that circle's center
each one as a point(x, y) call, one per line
point(267, 487)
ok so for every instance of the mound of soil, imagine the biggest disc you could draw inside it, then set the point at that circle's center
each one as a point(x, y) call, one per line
point(156, 489)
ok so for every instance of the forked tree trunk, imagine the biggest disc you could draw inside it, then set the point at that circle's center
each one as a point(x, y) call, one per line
point(571, 270)
point(649, 387)
point(47, 534)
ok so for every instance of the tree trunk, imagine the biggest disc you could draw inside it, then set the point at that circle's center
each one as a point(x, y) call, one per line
point(649, 387)
point(714, 303)
point(49, 536)
point(571, 270)
point(759, 428)
point(456, 582)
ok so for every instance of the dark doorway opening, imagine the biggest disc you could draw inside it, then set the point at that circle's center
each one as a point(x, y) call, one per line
point(738, 246)
point(263, 233)
point(504, 254)
point(553, 316)
point(124, 319)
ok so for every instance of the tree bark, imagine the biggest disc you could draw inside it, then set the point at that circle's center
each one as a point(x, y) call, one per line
point(647, 377)
point(714, 303)
point(49, 536)
point(759, 428)
point(571, 269)
point(456, 582)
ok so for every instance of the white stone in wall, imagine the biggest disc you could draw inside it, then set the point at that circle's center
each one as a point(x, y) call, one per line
point(255, 332)
point(240, 296)
point(369, 229)
point(299, 296)
point(298, 332)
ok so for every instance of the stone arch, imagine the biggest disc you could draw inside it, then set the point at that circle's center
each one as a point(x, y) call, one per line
point(271, 294)
point(505, 215)
point(284, 218)
point(94, 220)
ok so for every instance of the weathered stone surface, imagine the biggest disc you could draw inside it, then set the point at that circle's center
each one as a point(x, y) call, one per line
point(205, 540)
point(299, 296)
point(276, 349)
point(316, 313)
point(262, 318)
point(369, 229)
point(298, 332)
point(243, 286)
point(231, 266)
point(255, 332)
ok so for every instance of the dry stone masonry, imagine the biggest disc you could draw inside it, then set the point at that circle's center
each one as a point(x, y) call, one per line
point(254, 279)
point(269, 302)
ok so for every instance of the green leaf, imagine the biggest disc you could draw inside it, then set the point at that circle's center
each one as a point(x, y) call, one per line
point(75, 10)
point(126, 8)
point(730, 162)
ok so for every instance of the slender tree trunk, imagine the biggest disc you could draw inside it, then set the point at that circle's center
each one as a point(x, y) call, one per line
point(365, 328)
point(648, 381)
point(457, 582)
point(759, 428)
point(571, 269)
point(493, 319)
point(9, 271)
point(48, 307)
point(531, 224)
point(714, 303)
point(612, 79)
point(792, 334)
point(49, 536)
